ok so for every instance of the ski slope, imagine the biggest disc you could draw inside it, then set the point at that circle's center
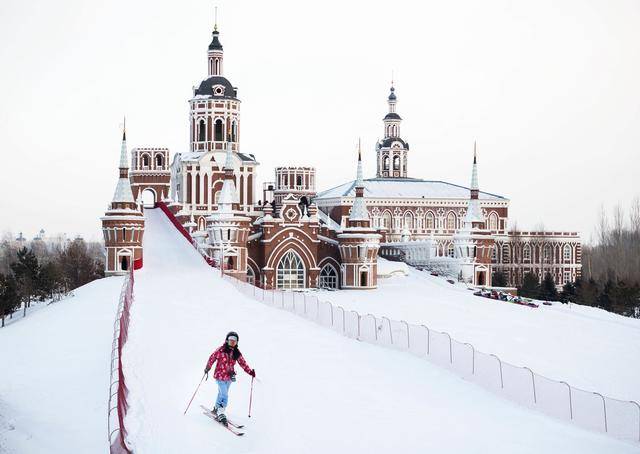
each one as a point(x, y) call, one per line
point(319, 392)
point(587, 347)
point(54, 374)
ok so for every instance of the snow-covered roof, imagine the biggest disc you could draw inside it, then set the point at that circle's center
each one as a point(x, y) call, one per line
point(123, 191)
point(326, 219)
point(196, 156)
point(405, 188)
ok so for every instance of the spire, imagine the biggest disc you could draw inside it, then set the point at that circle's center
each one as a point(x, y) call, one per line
point(392, 119)
point(123, 188)
point(359, 209)
point(228, 194)
point(474, 214)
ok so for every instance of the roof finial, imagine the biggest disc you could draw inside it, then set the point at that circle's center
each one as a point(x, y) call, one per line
point(215, 20)
point(359, 154)
point(124, 127)
point(474, 152)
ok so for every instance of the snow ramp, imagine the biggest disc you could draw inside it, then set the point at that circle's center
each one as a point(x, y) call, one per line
point(319, 392)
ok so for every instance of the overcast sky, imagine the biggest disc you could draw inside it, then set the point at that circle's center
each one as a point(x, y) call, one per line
point(549, 89)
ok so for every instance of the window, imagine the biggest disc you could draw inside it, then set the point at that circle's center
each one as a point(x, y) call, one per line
point(202, 131)
point(431, 220)
point(566, 277)
point(396, 163)
point(494, 254)
point(526, 253)
point(408, 220)
point(451, 221)
point(364, 281)
point(145, 161)
point(567, 253)
point(218, 131)
point(158, 160)
point(386, 220)
point(547, 254)
point(328, 277)
point(290, 272)
point(506, 254)
point(299, 181)
point(493, 221)
point(251, 276)
point(234, 132)
point(450, 250)
point(385, 163)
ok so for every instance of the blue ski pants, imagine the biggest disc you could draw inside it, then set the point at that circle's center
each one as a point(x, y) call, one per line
point(223, 393)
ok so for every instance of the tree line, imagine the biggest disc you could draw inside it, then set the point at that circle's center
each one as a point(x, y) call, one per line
point(44, 271)
point(610, 268)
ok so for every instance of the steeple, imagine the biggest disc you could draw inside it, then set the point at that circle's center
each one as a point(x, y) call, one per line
point(228, 194)
point(392, 151)
point(123, 192)
point(359, 209)
point(215, 53)
point(474, 216)
point(392, 119)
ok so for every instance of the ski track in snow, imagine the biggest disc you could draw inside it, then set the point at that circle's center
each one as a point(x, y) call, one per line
point(319, 392)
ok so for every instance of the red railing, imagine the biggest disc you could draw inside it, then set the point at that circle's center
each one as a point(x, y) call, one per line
point(118, 409)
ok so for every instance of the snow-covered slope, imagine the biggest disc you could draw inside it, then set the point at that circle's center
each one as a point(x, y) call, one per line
point(54, 374)
point(319, 392)
point(589, 348)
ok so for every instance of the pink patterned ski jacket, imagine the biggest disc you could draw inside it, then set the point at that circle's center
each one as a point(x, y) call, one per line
point(225, 364)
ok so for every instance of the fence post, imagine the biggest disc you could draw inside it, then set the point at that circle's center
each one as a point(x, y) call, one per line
point(428, 336)
point(473, 358)
point(408, 341)
point(344, 321)
point(375, 324)
point(637, 405)
point(500, 363)
point(358, 314)
point(390, 332)
point(331, 306)
point(450, 349)
point(533, 381)
point(604, 407)
point(570, 402)
point(304, 303)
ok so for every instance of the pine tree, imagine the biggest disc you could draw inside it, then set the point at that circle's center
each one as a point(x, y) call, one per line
point(50, 280)
point(548, 290)
point(499, 279)
point(9, 298)
point(568, 293)
point(78, 266)
point(26, 270)
point(530, 287)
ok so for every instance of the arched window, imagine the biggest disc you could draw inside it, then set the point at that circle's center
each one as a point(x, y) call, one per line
point(396, 163)
point(526, 253)
point(451, 221)
point(197, 188)
point(493, 221)
point(328, 277)
point(290, 271)
point(566, 252)
point(124, 234)
point(450, 250)
point(430, 220)
point(299, 181)
point(546, 254)
point(506, 254)
point(202, 131)
point(408, 220)
point(205, 186)
point(234, 131)
point(124, 264)
point(145, 161)
point(158, 161)
point(386, 220)
point(218, 131)
point(494, 254)
point(202, 224)
point(189, 187)
point(385, 163)
point(251, 276)
point(217, 66)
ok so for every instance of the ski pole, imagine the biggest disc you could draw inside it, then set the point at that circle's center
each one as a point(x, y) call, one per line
point(194, 395)
point(251, 396)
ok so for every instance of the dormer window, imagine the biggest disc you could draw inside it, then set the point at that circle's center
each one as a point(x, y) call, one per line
point(218, 90)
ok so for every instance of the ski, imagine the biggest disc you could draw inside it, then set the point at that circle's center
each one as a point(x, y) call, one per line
point(210, 413)
point(230, 429)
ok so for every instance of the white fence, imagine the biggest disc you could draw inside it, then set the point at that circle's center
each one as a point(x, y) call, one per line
point(591, 410)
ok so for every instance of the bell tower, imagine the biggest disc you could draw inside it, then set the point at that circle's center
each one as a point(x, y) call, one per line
point(392, 151)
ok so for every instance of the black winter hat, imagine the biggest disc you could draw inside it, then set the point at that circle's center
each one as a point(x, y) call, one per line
point(232, 333)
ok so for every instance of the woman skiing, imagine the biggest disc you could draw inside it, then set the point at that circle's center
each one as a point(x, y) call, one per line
point(224, 374)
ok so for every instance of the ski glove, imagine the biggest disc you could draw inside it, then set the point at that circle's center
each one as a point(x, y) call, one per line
point(206, 370)
point(252, 373)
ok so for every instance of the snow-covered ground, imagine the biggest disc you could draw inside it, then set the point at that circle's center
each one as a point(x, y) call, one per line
point(319, 392)
point(586, 347)
point(54, 374)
